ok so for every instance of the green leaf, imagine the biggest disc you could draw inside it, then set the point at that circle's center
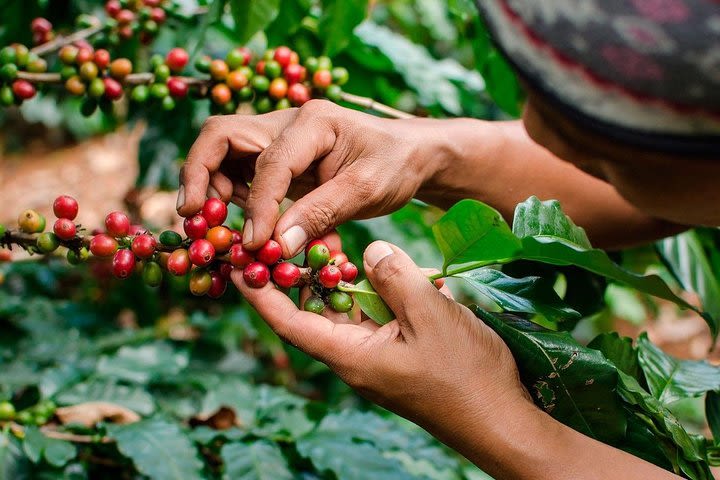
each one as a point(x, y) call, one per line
point(670, 379)
point(502, 83)
point(261, 460)
point(369, 301)
point(285, 25)
point(712, 411)
point(339, 18)
point(534, 218)
point(159, 449)
point(686, 258)
point(619, 350)
point(474, 233)
point(252, 16)
point(14, 465)
point(136, 398)
point(56, 452)
point(574, 384)
point(525, 295)
point(33, 444)
point(141, 364)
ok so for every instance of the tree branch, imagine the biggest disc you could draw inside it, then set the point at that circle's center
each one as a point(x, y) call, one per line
point(60, 41)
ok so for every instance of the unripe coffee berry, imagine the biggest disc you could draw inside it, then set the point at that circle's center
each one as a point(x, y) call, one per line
point(286, 275)
point(75, 86)
point(195, 227)
point(177, 87)
point(240, 257)
point(96, 89)
point(314, 305)
point(318, 256)
point(68, 54)
point(64, 229)
point(152, 274)
point(48, 242)
point(179, 262)
point(312, 243)
point(270, 253)
point(77, 257)
point(201, 252)
point(260, 83)
point(256, 275)
point(140, 94)
point(7, 411)
point(215, 212)
point(272, 69)
point(334, 93)
point(221, 238)
point(236, 80)
point(329, 276)
point(123, 263)
point(120, 68)
point(219, 69)
point(65, 206)
point(341, 302)
point(143, 246)
point(170, 238)
point(278, 88)
point(103, 245)
point(117, 224)
point(200, 282)
point(176, 59)
point(349, 272)
point(218, 285)
point(322, 79)
point(23, 89)
point(31, 221)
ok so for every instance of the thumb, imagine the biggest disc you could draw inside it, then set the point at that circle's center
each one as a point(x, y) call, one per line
point(402, 284)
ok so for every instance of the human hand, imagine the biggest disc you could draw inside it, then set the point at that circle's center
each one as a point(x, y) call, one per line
point(341, 164)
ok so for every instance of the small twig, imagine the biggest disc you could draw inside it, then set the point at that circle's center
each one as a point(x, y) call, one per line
point(371, 104)
point(26, 240)
point(61, 41)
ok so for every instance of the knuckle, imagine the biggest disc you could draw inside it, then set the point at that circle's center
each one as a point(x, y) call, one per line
point(211, 124)
point(319, 218)
point(390, 268)
point(315, 106)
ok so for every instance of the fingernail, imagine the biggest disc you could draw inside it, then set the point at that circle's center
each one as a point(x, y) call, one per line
point(294, 238)
point(376, 252)
point(248, 232)
point(181, 198)
point(212, 193)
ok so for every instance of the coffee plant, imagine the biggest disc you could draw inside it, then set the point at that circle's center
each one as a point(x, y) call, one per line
point(125, 353)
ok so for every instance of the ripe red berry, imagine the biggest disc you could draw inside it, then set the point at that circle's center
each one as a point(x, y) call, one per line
point(5, 255)
point(124, 17)
point(113, 7)
point(247, 55)
point(102, 58)
point(270, 253)
point(218, 285)
point(195, 227)
point(177, 87)
point(298, 94)
point(65, 206)
point(84, 55)
point(240, 257)
point(123, 263)
point(201, 252)
point(226, 270)
point(329, 276)
point(152, 3)
point(41, 25)
point(23, 89)
point(221, 238)
point(215, 212)
point(221, 94)
point(313, 243)
point(338, 258)
point(144, 245)
point(176, 59)
point(178, 263)
point(256, 275)
point(113, 88)
point(286, 274)
point(260, 67)
point(282, 56)
point(117, 224)
point(158, 15)
point(236, 237)
point(64, 228)
point(322, 78)
point(349, 272)
point(103, 245)
point(294, 73)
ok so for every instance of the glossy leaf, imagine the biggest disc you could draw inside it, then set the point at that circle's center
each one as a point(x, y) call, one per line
point(619, 350)
point(339, 18)
point(712, 411)
point(534, 218)
point(37, 446)
point(256, 461)
point(252, 16)
point(369, 301)
point(502, 83)
point(13, 462)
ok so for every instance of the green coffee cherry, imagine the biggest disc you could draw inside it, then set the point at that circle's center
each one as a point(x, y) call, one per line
point(156, 60)
point(140, 94)
point(314, 305)
point(7, 411)
point(260, 83)
point(170, 238)
point(324, 63)
point(318, 257)
point(333, 93)
point(168, 103)
point(311, 64)
point(7, 55)
point(45, 409)
point(202, 64)
point(162, 73)
point(282, 104)
point(159, 90)
point(7, 97)
point(48, 242)
point(68, 71)
point(8, 72)
point(245, 93)
point(25, 417)
point(341, 302)
point(152, 274)
point(2, 230)
point(273, 69)
point(75, 258)
point(340, 75)
point(22, 55)
point(96, 88)
point(234, 59)
point(263, 105)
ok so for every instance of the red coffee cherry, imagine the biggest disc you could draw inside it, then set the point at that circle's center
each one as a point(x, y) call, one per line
point(313, 243)
point(270, 253)
point(177, 88)
point(5, 255)
point(236, 237)
point(123, 263)
point(117, 224)
point(349, 272)
point(113, 88)
point(120, 68)
point(240, 257)
point(298, 94)
point(178, 263)
point(144, 245)
point(84, 55)
point(329, 276)
point(124, 17)
point(221, 238)
point(338, 258)
point(103, 245)
point(23, 89)
point(322, 78)
point(278, 88)
point(113, 7)
point(200, 282)
point(294, 73)
point(176, 59)
point(101, 58)
point(215, 212)
point(260, 67)
point(201, 252)
point(286, 274)
point(158, 16)
point(195, 227)
point(218, 285)
point(256, 275)
point(65, 206)
point(41, 25)
point(236, 80)
point(282, 56)
point(226, 270)
point(64, 228)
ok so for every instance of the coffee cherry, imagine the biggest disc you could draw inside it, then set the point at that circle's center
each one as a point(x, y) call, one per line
point(221, 238)
point(236, 80)
point(341, 302)
point(31, 221)
point(349, 272)
point(286, 274)
point(219, 69)
point(200, 282)
point(260, 67)
point(177, 88)
point(48, 242)
point(195, 227)
point(152, 274)
point(7, 97)
point(256, 275)
point(338, 258)
point(263, 105)
point(5, 255)
point(23, 89)
point(68, 54)
point(329, 276)
point(226, 270)
point(101, 58)
point(3, 229)
point(65, 206)
point(298, 94)
point(322, 79)
point(77, 257)
point(294, 58)
point(159, 91)
point(158, 16)
point(140, 94)
point(123, 263)
point(113, 7)
point(84, 55)
point(214, 211)
point(201, 252)
point(314, 305)
point(318, 256)
point(170, 238)
point(312, 243)
point(240, 257)
point(278, 88)
point(272, 69)
point(7, 411)
point(125, 32)
point(333, 93)
point(260, 83)
point(143, 246)
point(22, 54)
point(124, 17)
point(75, 86)
point(221, 94)
point(103, 245)
point(64, 228)
point(117, 224)
point(202, 64)
point(324, 63)
point(113, 88)
point(294, 73)
point(40, 25)
point(218, 286)
point(96, 88)
point(282, 56)
point(120, 68)
point(37, 65)
point(246, 93)
point(8, 72)
point(162, 73)
point(270, 253)
point(178, 263)
point(283, 104)
point(176, 59)
point(235, 59)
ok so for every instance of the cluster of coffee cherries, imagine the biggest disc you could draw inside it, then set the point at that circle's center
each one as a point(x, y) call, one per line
point(13, 59)
point(128, 18)
point(42, 30)
point(166, 88)
point(38, 414)
point(208, 253)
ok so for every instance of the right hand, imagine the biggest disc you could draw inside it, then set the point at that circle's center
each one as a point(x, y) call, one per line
point(338, 163)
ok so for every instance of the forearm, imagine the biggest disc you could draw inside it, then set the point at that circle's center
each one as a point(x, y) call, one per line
point(498, 163)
